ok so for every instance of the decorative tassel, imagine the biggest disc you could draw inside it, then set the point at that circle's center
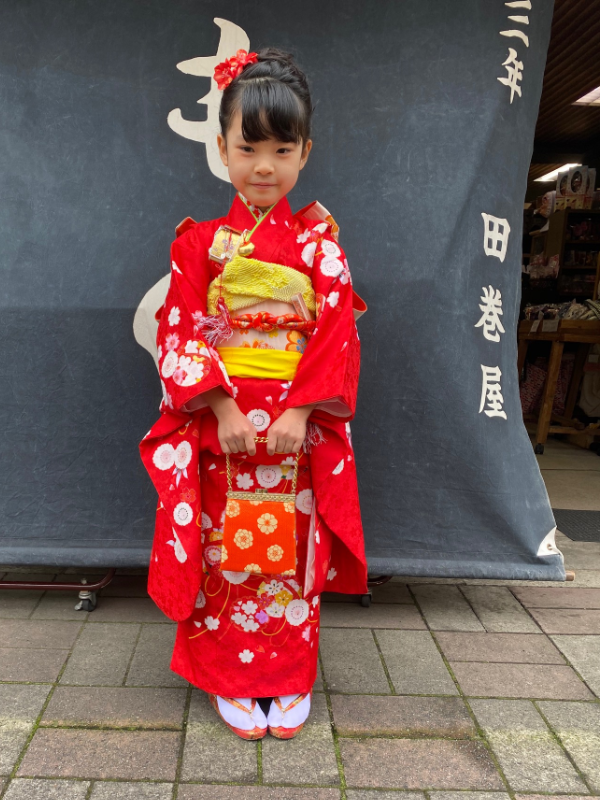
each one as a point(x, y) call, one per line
point(314, 437)
point(216, 327)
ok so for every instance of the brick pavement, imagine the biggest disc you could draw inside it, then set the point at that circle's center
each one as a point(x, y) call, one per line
point(442, 690)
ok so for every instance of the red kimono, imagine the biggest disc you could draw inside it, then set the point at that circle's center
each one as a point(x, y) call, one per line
point(244, 635)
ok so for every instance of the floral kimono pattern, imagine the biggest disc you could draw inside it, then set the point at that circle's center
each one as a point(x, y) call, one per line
point(242, 634)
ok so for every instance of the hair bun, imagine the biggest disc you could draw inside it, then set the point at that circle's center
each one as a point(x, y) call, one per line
point(279, 56)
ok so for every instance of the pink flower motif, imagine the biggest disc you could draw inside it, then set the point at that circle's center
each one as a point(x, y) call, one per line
point(171, 341)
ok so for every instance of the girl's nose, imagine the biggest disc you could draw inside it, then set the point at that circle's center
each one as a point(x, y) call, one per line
point(264, 168)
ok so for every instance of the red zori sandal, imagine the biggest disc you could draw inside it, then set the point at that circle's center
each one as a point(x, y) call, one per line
point(242, 715)
point(288, 714)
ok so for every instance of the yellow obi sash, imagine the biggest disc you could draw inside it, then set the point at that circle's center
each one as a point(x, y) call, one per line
point(246, 281)
point(252, 362)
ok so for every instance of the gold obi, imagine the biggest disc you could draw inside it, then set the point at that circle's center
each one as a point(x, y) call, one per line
point(246, 281)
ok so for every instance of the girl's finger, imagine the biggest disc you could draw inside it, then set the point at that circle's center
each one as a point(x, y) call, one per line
point(271, 444)
point(225, 448)
point(233, 448)
point(250, 444)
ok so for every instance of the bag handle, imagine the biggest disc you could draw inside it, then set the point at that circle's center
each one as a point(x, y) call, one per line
point(264, 439)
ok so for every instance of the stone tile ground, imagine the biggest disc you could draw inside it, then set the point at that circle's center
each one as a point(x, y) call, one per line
point(442, 690)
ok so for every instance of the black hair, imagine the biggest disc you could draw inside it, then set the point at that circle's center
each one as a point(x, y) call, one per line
point(274, 99)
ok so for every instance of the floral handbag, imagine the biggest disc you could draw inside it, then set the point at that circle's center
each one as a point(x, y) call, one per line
point(259, 534)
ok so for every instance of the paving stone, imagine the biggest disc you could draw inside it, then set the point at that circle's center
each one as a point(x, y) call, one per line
point(357, 715)
point(101, 655)
point(374, 794)
point(115, 790)
point(318, 684)
point(578, 727)
point(414, 663)
point(35, 789)
point(498, 610)
point(129, 609)
point(552, 797)
point(543, 681)
point(36, 666)
point(34, 634)
point(516, 648)
point(150, 755)
point(392, 592)
point(204, 792)
point(418, 764)
point(351, 662)
point(128, 708)
point(59, 605)
point(13, 736)
point(581, 555)
point(126, 586)
point(445, 609)
point(21, 702)
point(530, 757)
point(309, 757)
point(584, 654)
point(17, 604)
point(151, 665)
point(468, 796)
point(212, 752)
point(389, 615)
point(534, 597)
point(567, 620)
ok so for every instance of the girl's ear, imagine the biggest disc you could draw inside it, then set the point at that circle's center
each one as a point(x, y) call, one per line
point(305, 152)
point(222, 145)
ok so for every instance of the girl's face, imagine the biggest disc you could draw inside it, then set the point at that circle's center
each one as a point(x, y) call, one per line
point(263, 172)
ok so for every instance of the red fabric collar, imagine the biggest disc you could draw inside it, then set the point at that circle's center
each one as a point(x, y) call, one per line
point(241, 218)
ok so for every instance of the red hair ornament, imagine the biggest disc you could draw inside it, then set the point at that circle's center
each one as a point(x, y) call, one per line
point(229, 69)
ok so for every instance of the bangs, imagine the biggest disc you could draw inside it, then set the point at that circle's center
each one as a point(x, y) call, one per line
point(271, 110)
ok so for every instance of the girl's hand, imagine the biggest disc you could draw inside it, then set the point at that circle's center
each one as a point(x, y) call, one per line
point(236, 433)
point(287, 433)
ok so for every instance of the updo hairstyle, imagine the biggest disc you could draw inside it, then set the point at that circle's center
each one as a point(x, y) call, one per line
point(274, 99)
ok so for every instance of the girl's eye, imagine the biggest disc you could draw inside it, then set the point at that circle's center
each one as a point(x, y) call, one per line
point(284, 150)
point(246, 149)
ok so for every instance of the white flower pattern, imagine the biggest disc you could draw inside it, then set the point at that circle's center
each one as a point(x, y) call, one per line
point(246, 656)
point(183, 514)
point(259, 418)
point(308, 253)
point(174, 316)
point(304, 501)
point(268, 475)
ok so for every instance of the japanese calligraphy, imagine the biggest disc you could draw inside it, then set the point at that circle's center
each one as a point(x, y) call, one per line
point(491, 306)
point(514, 67)
point(495, 236)
point(491, 393)
point(232, 39)
point(515, 73)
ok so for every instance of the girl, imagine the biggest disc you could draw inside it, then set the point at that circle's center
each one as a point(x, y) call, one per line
point(259, 360)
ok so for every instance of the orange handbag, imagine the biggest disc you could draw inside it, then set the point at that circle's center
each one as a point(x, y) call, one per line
point(259, 534)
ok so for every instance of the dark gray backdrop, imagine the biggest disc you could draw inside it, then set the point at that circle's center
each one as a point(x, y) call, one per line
point(414, 138)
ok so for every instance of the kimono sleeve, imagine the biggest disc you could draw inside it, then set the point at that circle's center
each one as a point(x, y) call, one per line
point(328, 372)
point(188, 366)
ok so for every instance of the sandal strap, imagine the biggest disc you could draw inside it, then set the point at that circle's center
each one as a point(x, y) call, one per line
point(233, 702)
point(293, 704)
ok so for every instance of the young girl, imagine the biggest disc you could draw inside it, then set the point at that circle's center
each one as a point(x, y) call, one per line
point(259, 360)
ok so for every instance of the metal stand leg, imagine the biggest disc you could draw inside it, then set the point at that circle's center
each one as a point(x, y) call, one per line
point(87, 592)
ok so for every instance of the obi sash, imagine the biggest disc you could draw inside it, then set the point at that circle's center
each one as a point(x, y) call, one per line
point(253, 362)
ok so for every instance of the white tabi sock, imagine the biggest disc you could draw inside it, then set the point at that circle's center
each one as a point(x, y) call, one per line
point(292, 718)
point(240, 719)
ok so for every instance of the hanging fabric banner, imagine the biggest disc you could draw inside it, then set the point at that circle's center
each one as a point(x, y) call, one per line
point(423, 133)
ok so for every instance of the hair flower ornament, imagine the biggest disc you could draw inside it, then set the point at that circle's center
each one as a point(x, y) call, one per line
point(229, 69)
